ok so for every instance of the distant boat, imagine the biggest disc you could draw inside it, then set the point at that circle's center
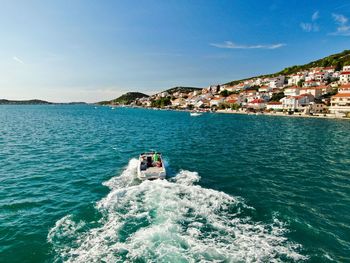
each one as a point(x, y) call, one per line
point(151, 166)
point(195, 113)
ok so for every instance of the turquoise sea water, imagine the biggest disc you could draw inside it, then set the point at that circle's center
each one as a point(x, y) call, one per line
point(241, 188)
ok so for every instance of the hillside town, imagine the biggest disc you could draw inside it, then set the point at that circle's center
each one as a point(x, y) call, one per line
point(319, 91)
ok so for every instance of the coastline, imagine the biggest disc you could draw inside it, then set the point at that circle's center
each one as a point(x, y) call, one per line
point(276, 114)
point(281, 114)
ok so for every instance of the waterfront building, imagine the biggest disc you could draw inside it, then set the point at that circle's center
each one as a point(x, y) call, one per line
point(257, 104)
point(216, 101)
point(340, 104)
point(317, 107)
point(293, 103)
point(274, 105)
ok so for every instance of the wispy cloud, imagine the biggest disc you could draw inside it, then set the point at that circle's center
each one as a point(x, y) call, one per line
point(311, 26)
point(315, 16)
point(343, 28)
point(17, 59)
point(231, 45)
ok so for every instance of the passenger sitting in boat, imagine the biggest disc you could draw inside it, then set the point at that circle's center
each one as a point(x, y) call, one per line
point(156, 160)
point(155, 157)
point(149, 161)
point(159, 163)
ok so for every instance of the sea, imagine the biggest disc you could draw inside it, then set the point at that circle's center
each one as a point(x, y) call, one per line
point(239, 188)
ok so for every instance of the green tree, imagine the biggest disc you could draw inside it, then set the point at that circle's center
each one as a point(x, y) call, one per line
point(225, 93)
point(338, 66)
point(235, 106)
point(300, 82)
point(277, 96)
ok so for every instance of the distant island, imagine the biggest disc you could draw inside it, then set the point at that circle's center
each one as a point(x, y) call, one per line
point(23, 102)
point(33, 102)
point(319, 88)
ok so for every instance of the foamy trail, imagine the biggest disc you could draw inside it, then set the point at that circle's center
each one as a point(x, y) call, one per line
point(173, 221)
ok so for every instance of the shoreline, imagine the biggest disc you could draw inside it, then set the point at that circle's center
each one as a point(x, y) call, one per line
point(276, 114)
point(299, 115)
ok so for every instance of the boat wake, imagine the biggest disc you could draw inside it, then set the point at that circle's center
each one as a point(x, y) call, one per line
point(170, 221)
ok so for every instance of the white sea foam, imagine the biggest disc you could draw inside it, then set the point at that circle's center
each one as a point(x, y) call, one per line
point(171, 222)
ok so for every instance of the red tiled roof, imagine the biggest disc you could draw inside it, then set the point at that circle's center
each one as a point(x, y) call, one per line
point(345, 73)
point(274, 103)
point(341, 95)
point(257, 101)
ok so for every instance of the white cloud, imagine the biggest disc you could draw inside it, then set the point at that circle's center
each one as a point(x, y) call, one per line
point(343, 28)
point(18, 60)
point(231, 45)
point(312, 26)
point(309, 27)
point(315, 16)
point(340, 19)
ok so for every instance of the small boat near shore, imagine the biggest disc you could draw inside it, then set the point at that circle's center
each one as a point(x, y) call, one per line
point(195, 113)
point(151, 166)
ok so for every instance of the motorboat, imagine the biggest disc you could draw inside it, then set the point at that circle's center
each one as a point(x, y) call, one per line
point(195, 113)
point(151, 166)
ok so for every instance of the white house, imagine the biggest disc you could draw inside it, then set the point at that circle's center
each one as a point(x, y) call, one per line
point(295, 78)
point(277, 82)
point(344, 89)
point(265, 88)
point(216, 101)
point(311, 83)
point(274, 105)
point(320, 76)
point(257, 104)
point(292, 91)
point(164, 94)
point(314, 91)
point(329, 69)
point(296, 102)
point(340, 104)
point(178, 102)
point(346, 68)
point(344, 77)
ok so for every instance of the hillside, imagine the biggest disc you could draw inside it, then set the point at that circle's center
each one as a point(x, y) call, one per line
point(338, 60)
point(181, 89)
point(22, 102)
point(126, 98)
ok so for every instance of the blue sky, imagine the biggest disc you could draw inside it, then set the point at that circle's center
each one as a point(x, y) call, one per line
point(96, 50)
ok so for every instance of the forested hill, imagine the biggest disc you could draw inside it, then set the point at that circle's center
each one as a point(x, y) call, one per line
point(126, 98)
point(337, 60)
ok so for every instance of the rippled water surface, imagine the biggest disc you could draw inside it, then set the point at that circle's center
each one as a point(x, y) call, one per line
point(240, 188)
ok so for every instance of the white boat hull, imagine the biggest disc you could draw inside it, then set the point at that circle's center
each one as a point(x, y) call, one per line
point(148, 171)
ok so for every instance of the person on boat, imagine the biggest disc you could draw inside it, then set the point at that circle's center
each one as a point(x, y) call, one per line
point(149, 161)
point(155, 157)
point(156, 160)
